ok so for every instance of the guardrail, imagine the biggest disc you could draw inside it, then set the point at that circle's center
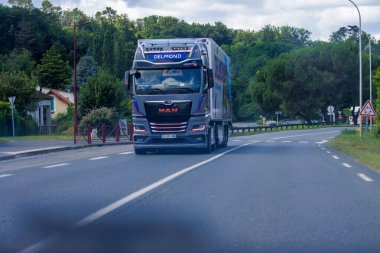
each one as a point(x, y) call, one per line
point(237, 130)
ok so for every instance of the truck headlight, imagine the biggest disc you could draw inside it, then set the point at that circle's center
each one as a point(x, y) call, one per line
point(139, 129)
point(198, 128)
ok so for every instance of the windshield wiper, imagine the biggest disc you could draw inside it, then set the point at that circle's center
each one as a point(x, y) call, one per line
point(182, 90)
point(152, 91)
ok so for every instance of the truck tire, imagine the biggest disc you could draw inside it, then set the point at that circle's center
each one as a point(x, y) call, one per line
point(225, 137)
point(208, 147)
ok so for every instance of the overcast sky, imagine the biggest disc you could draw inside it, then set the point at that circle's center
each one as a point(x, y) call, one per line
point(321, 17)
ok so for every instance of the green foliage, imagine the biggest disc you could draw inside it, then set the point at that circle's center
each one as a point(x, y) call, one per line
point(23, 125)
point(18, 61)
point(53, 72)
point(97, 117)
point(86, 68)
point(376, 80)
point(64, 121)
point(103, 90)
point(21, 86)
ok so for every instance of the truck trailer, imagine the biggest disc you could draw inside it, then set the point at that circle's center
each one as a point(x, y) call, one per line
point(181, 94)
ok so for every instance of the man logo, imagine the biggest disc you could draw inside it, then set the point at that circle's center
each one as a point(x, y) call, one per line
point(168, 110)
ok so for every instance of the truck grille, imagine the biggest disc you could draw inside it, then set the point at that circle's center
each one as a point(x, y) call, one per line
point(179, 127)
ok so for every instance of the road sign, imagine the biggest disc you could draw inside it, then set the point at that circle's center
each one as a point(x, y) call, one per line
point(12, 100)
point(330, 109)
point(367, 110)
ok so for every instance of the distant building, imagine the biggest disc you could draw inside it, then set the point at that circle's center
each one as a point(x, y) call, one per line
point(42, 113)
point(61, 100)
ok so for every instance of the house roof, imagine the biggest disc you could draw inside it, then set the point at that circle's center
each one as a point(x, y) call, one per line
point(60, 96)
point(42, 96)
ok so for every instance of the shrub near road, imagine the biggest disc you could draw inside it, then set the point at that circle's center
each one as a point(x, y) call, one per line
point(366, 150)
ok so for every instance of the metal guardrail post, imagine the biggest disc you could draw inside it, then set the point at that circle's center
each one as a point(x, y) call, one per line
point(130, 131)
point(104, 129)
point(89, 131)
point(117, 129)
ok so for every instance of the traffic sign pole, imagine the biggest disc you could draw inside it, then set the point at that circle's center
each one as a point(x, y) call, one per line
point(12, 101)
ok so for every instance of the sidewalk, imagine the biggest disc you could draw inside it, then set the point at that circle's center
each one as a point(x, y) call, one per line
point(21, 148)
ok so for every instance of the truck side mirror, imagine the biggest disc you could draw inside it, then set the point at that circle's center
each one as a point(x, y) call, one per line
point(128, 79)
point(210, 79)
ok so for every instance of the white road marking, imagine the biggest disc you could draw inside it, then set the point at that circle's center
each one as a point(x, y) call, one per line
point(321, 142)
point(126, 153)
point(305, 142)
point(98, 158)
point(346, 165)
point(335, 157)
point(328, 152)
point(331, 137)
point(6, 175)
point(30, 150)
point(269, 141)
point(55, 165)
point(323, 148)
point(286, 141)
point(112, 207)
point(365, 177)
point(300, 135)
point(237, 140)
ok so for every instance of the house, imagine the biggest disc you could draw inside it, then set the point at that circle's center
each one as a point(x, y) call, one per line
point(42, 113)
point(61, 100)
point(60, 103)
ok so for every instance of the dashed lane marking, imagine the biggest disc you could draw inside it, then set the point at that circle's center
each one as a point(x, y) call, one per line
point(98, 158)
point(286, 141)
point(335, 157)
point(126, 153)
point(6, 175)
point(55, 165)
point(304, 142)
point(346, 165)
point(30, 150)
point(365, 177)
point(328, 152)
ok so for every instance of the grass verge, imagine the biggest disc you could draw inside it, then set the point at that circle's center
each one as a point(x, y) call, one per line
point(365, 150)
point(36, 137)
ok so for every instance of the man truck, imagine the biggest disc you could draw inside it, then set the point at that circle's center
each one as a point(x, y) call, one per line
point(181, 94)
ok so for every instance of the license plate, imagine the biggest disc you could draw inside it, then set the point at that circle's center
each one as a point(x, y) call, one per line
point(168, 136)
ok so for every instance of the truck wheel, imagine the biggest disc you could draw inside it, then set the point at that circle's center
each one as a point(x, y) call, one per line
point(208, 148)
point(225, 137)
point(140, 151)
point(215, 133)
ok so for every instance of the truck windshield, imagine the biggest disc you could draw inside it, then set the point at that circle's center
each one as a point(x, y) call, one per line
point(168, 81)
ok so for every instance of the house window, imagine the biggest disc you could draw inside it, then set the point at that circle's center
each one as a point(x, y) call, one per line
point(52, 105)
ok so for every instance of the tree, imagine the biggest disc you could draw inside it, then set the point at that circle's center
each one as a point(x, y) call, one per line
point(20, 85)
point(103, 90)
point(53, 72)
point(86, 68)
point(18, 61)
point(21, 3)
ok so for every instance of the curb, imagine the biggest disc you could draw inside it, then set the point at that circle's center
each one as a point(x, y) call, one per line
point(54, 150)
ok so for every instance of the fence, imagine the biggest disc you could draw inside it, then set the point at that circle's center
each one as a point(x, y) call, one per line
point(237, 130)
point(106, 133)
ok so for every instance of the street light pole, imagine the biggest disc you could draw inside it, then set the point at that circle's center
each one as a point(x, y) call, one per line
point(360, 65)
point(75, 81)
point(370, 74)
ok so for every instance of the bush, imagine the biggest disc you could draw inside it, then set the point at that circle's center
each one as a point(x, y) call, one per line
point(96, 118)
point(64, 121)
point(23, 125)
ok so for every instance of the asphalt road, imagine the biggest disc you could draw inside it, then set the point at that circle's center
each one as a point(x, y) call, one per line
point(275, 192)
